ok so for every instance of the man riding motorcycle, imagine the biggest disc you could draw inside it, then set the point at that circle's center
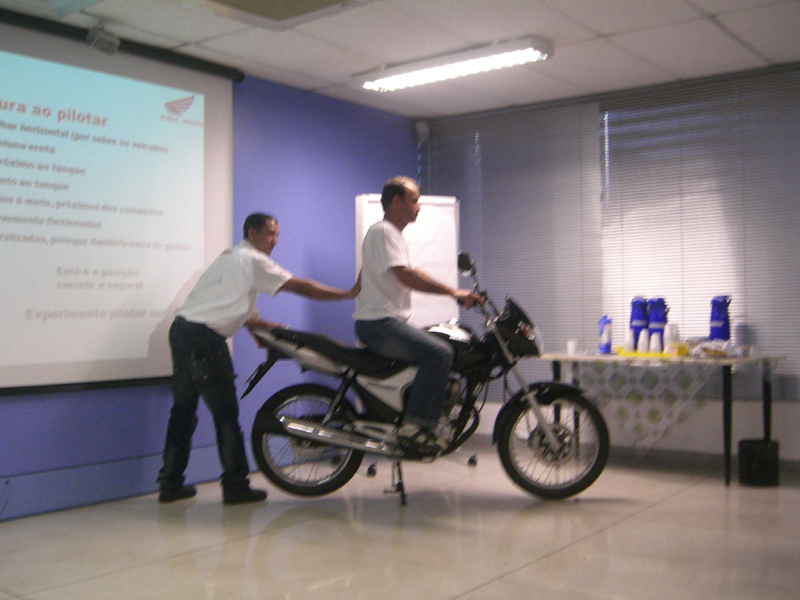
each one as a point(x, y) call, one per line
point(384, 305)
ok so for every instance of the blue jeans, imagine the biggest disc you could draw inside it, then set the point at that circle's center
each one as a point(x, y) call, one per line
point(202, 367)
point(432, 355)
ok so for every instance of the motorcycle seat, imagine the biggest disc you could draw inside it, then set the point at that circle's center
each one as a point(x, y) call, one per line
point(362, 360)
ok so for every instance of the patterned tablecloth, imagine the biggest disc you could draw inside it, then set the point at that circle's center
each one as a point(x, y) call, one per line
point(644, 397)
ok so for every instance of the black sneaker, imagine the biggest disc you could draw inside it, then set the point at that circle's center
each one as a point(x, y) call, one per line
point(438, 439)
point(417, 439)
point(173, 493)
point(243, 495)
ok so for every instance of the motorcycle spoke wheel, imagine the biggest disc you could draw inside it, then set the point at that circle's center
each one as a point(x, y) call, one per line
point(555, 472)
point(300, 466)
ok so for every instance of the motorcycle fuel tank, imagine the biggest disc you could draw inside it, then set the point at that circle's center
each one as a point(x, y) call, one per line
point(470, 352)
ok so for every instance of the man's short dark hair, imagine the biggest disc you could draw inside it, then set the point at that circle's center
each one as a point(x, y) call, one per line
point(256, 221)
point(396, 186)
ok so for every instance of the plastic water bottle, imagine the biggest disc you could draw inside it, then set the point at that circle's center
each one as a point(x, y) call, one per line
point(605, 335)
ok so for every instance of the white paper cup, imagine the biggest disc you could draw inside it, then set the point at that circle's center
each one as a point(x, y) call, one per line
point(655, 343)
point(644, 341)
point(629, 344)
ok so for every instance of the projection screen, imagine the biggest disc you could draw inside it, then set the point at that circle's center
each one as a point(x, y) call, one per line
point(115, 192)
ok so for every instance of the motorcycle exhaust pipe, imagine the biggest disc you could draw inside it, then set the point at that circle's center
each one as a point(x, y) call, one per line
point(333, 437)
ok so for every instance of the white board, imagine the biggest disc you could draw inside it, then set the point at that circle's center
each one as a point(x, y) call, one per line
point(432, 247)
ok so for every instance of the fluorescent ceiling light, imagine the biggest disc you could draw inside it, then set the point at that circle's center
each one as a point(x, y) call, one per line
point(460, 64)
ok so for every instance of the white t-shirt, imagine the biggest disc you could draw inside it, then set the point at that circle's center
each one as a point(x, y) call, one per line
point(382, 295)
point(225, 295)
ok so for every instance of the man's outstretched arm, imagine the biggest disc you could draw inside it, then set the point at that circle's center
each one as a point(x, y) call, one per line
point(319, 291)
point(422, 282)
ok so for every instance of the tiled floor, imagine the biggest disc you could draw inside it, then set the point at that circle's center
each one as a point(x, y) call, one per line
point(466, 533)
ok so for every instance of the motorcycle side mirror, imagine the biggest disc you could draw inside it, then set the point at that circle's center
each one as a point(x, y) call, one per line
point(465, 264)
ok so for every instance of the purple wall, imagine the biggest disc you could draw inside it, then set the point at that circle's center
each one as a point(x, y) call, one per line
point(297, 155)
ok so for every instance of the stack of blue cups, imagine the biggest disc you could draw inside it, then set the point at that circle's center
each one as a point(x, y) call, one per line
point(639, 318)
point(720, 324)
point(657, 311)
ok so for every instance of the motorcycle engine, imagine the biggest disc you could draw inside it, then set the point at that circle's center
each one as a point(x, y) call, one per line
point(452, 393)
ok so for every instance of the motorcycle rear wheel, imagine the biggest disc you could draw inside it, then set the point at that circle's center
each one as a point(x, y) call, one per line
point(299, 466)
point(558, 473)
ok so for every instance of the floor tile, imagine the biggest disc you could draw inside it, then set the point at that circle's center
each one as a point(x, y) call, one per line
point(670, 551)
point(93, 541)
point(465, 534)
point(269, 567)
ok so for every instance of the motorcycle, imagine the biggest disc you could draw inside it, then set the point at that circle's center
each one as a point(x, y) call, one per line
point(310, 439)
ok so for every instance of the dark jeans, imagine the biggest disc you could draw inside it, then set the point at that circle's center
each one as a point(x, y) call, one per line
point(433, 356)
point(202, 367)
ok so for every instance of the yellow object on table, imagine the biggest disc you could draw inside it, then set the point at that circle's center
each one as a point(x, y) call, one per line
point(680, 350)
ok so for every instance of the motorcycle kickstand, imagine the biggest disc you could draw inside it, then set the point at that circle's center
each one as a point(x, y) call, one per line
point(397, 483)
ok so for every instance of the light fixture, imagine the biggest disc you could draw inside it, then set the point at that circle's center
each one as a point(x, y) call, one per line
point(459, 64)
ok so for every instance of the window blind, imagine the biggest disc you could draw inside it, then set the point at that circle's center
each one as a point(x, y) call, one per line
point(528, 181)
point(701, 197)
point(685, 191)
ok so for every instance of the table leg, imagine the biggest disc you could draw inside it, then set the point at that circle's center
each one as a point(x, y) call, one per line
point(766, 398)
point(727, 418)
point(556, 370)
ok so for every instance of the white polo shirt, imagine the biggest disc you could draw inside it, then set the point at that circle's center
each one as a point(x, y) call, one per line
point(382, 295)
point(225, 295)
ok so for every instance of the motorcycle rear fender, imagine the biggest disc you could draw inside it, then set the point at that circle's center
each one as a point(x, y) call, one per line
point(306, 358)
point(544, 391)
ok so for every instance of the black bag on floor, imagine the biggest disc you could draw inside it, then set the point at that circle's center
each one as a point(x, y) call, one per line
point(758, 462)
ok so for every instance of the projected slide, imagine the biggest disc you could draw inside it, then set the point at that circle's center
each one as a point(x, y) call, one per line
point(101, 214)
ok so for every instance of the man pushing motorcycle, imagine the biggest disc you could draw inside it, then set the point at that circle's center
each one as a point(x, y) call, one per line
point(383, 308)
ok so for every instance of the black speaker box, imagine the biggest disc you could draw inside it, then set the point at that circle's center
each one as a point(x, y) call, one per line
point(758, 462)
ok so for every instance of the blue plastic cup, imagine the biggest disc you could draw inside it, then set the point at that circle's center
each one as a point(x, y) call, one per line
point(657, 311)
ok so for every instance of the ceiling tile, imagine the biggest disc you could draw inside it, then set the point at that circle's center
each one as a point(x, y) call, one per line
point(600, 45)
point(381, 31)
point(485, 21)
point(292, 51)
point(774, 31)
point(445, 99)
point(716, 7)
point(382, 102)
point(519, 85)
point(694, 49)
point(165, 19)
point(610, 17)
point(121, 31)
point(39, 8)
point(600, 66)
point(252, 68)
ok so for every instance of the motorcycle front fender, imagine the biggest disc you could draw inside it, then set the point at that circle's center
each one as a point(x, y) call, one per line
point(545, 393)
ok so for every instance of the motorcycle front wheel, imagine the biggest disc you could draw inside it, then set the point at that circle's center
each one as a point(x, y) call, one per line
point(300, 466)
point(563, 471)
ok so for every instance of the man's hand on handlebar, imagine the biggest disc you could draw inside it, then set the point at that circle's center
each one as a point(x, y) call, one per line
point(467, 298)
